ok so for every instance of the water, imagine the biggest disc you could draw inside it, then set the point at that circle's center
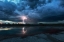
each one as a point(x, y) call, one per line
point(23, 32)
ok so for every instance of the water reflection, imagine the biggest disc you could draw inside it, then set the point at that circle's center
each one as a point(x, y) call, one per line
point(9, 32)
point(29, 30)
point(23, 30)
point(2, 29)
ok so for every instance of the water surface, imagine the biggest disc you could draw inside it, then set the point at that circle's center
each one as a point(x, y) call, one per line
point(23, 32)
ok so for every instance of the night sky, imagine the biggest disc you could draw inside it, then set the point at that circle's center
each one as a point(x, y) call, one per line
point(35, 10)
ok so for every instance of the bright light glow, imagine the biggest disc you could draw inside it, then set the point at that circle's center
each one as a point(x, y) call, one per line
point(23, 18)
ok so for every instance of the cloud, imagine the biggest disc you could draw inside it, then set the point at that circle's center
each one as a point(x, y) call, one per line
point(62, 3)
point(33, 3)
point(41, 10)
point(7, 10)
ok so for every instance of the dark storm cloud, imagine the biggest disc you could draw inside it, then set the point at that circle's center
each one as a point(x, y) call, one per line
point(44, 10)
point(3, 16)
point(8, 7)
point(62, 3)
point(41, 10)
point(57, 16)
point(54, 18)
point(33, 3)
point(7, 10)
point(53, 11)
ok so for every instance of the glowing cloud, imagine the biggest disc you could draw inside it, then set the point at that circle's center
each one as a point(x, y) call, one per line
point(23, 17)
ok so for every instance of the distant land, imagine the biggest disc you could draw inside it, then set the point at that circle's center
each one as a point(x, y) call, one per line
point(11, 23)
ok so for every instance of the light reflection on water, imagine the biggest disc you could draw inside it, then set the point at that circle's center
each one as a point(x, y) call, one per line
point(24, 30)
point(18, 30)
point(2, 29)
point(27, 30)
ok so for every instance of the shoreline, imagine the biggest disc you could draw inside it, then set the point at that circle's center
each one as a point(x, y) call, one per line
point(31, 24)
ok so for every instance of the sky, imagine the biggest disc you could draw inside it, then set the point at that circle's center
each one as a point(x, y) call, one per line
point(34, 10)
